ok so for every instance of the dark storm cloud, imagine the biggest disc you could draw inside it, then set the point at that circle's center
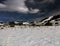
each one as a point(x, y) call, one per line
point(45, 1)
point(2, 1)
point(37, 4)
point(15, 5)
point(26, 5)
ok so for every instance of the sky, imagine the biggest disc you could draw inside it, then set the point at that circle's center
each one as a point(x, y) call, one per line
point(10, 10)
point(20, 6)
point(13, 5)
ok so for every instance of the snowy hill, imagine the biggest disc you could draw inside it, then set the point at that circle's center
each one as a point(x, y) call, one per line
point(30, 36)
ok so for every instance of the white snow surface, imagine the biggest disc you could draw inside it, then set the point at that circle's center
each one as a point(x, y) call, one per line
point(30, 36)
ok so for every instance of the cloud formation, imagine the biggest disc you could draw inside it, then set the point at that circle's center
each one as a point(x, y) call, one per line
point(2, 6)
point(16, 5)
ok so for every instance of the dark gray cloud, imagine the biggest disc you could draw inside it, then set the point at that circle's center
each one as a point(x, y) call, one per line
point(16, 5)
point(27, 5)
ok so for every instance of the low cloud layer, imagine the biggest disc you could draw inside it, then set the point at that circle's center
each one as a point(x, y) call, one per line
point(14, 5)
point(18, 5)
point(2, 6)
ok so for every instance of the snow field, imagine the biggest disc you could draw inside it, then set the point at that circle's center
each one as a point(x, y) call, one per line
point(30, 36)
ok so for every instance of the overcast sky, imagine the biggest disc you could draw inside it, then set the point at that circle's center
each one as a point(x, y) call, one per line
point(18, 5)
point(14, 5)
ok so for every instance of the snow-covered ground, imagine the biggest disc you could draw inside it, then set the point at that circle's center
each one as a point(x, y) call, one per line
point(30, 36)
